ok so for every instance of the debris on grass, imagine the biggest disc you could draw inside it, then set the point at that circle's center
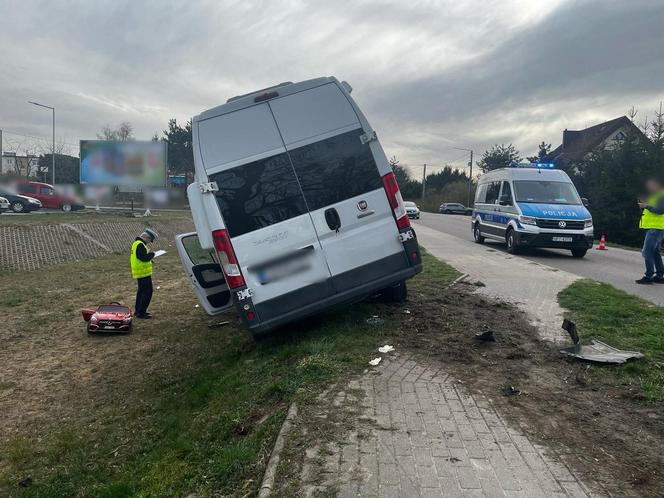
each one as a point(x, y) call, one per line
point(375, 361)
point(386, 349)
point(509, 390)
point(218, 324)
point(596, 351)
point(375, 320)
point(486, 336)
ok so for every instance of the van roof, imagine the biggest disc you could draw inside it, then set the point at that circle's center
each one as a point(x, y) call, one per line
point(247, 100)
point(553, 175)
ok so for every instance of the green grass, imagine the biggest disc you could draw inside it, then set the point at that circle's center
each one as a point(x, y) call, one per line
point(626, 322)
point(205, 426)
point(48, 217)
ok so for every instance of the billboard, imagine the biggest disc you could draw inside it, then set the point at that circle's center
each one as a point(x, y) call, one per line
point(128, 164)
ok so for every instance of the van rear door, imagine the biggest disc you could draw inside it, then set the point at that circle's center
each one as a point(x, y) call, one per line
point(263, 210)
point(336, 167)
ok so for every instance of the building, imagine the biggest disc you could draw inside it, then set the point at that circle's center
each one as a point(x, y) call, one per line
point(19, 165)
point(578, 144)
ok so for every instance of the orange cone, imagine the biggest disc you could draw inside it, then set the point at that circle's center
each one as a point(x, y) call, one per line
point(602, 243)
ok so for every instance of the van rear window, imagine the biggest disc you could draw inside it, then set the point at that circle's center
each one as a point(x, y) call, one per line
point(258, 194)
point(335, 169)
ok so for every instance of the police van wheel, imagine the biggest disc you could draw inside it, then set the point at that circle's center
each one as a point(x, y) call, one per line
point(477, 234)
point(510, 240)
point(579, 253)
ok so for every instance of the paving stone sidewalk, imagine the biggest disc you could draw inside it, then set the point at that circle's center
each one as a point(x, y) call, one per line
point(416, 432)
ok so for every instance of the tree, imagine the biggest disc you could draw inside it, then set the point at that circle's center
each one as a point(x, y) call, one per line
point(544, 149)
point(67, 168)
point(180, 147)
point(499, 156)
point(123, 133)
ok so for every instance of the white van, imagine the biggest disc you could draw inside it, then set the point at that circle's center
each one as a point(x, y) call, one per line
point(295, 206)
point(531, 205)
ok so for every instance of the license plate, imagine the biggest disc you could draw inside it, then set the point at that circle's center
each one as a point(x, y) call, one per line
point(109, 327)
point(562, 239)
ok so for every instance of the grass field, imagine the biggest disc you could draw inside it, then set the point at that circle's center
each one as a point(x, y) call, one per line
point(47, 217)
point(626, 322)
point(185, 404)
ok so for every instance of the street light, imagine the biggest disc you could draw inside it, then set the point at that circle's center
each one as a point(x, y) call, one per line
point(53, 150)
point(470, 176)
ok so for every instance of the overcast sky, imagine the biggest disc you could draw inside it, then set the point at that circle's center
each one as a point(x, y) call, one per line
point(429, 75)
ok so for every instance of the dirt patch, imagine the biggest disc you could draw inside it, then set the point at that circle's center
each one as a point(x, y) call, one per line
point(604, 431)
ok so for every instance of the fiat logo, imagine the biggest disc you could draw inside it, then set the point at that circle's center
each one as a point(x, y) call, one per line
point(362, 205)
point(562, 224)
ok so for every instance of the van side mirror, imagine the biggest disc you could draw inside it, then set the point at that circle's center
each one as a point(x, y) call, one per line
point(585, 202)
point(505, 200)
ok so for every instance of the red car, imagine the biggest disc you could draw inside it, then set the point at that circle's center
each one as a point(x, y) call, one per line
point(49, 197)
point(114, 317)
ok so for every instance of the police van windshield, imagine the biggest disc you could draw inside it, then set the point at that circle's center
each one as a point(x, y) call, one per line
point(545, 192)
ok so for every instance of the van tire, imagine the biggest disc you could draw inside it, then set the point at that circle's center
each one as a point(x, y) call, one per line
point(510, 240)
point(477, 234)
point(397, 293)
point(579, 253)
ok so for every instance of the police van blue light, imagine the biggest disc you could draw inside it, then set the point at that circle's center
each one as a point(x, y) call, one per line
point(531, 205)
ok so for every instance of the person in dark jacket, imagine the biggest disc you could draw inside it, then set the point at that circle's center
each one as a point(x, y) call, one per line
point(141, 270)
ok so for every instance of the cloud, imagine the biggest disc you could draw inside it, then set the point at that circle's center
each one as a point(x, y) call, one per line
point(429, 74)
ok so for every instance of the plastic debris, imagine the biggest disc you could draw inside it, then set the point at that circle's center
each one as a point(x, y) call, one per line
point(385, 349)
point(486, 336)
point(406, 312)
point(158, 287)
point(375, 361)
point(596, 351)
point(509, 390)
point(196, 306)
point(218, 324)
point(375, 320)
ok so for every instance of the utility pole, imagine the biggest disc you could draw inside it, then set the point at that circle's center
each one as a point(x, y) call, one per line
point(53, 146)
point(424, 180)
point(470, 175)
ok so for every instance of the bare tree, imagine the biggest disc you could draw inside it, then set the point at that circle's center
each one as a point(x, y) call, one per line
point(123, 133)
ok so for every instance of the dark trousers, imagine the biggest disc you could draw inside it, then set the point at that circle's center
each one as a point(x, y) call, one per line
point(652, 254)
point(143, 295)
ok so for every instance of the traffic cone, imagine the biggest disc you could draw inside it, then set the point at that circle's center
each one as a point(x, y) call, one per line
point(602, 243)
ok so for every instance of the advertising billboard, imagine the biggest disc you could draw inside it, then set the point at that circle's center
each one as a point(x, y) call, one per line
point(128, 164)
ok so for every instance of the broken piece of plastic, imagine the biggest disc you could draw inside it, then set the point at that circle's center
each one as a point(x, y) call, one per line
point(486, 336)
point(385, 349)
point(375, 361)
point(596, 351)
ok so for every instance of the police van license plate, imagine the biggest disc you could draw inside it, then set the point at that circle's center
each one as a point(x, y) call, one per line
point(561, 239)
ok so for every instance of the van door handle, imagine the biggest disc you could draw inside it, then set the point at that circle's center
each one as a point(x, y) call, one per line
point(333, 220)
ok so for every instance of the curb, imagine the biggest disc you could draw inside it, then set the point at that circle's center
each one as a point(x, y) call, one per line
point(265, 490)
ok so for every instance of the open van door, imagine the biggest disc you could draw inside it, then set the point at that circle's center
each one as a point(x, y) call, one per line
point(204, 274)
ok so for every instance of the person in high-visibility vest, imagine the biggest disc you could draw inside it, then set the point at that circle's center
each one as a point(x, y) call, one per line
point(652, 220)
point(141, 270)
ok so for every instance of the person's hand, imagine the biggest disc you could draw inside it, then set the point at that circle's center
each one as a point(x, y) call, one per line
point(642, 205)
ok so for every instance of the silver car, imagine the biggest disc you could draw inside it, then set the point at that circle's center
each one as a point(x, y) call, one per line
point(412, 210)
point(4, 204)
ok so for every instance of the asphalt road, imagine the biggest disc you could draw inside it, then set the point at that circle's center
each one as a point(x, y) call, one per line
point(618, 267)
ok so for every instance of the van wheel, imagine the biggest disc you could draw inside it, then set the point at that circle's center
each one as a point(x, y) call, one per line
point(397, 293)
point(579, 253)
point(477, 234)
point(510, 240)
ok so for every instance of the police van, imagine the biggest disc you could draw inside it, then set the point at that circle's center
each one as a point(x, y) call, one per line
point(295, 206)
point(531, 205)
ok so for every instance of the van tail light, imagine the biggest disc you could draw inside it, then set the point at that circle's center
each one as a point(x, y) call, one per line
point(396, 201)
point(229, 263)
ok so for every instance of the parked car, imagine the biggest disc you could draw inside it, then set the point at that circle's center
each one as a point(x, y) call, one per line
point(300, 215)
point(49, 197)
point(454, 208)
point(412, 210)
point(531, 205)
point(19, 203)
point(4, 204)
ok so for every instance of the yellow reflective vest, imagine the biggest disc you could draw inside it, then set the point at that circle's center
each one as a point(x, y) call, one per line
point(650, 219)
point(139, 269)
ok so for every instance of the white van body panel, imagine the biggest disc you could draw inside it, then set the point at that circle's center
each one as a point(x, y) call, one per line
point(238, 135)
point(310, 113)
